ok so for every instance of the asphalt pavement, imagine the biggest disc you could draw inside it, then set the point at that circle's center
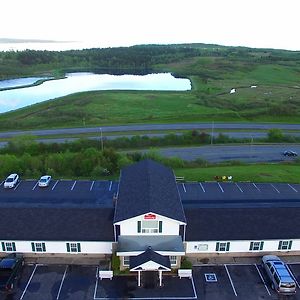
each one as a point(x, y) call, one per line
point(145, 127)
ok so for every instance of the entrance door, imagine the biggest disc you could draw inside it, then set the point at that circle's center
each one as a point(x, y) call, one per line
point(149, 279)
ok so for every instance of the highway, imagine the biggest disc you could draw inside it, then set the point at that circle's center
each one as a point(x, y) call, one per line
point(211, 153)
point(150, 127)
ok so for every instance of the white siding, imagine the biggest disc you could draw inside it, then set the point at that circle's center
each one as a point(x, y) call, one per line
point(60, 247)
point(202, 247)
point(129, 226)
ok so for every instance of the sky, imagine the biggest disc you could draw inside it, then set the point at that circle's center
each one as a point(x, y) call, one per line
point(111, 23)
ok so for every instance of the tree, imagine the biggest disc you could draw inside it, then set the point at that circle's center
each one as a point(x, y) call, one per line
point(275, 135)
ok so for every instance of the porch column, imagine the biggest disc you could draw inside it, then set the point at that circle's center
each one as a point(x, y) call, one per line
point(160, 277)
point(139, 278)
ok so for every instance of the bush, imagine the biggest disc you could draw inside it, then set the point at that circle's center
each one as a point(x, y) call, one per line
point(115, 263)
point(186, 264)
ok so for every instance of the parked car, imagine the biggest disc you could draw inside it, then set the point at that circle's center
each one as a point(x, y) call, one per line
point(11, 181)
point(44, 181)
point(281, 279)
point(290, 153)
point(10, 269)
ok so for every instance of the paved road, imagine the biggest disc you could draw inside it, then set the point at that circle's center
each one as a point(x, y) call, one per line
point(145, 127)
point(245, 153)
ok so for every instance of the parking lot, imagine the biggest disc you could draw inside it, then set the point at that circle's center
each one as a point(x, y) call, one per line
point(98, 193)
point(210, 282)
point(233, 281)
point(47, 282)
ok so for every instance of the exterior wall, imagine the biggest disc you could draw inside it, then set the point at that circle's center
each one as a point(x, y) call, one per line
point(129, 226)
point(61, 247)
point(197, 247)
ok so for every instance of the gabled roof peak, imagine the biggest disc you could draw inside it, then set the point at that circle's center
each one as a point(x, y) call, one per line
point(148, 186)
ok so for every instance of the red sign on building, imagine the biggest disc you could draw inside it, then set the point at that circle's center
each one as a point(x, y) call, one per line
point(150, 217)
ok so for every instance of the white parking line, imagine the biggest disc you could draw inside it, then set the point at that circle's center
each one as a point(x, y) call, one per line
point(275, 188)
point(35, 186)
point(183, 187)
point(239, 188)
point(262, 279)
point(72, 188)
point(1, 182)
point(220, 187)
point(61, 284)
point(256, 186)
point(230, 280)
point(28, 282)
point(96, 284)
point(110, 186)
point(54, 185)
point(292, 274)
point(202, 187)
point(288, 185)
point(193, 284)
point(17, 185)
point(92, 185)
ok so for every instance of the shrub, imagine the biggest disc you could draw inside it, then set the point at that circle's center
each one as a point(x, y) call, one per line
point(186, 264)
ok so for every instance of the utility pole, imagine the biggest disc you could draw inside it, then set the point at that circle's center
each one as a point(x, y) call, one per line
point(101, 139)
point(212, 132)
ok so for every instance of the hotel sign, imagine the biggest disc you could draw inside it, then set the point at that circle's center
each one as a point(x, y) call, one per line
point(150, 217)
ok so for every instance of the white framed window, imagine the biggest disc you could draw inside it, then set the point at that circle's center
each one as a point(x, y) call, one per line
point(38, 247)
point(73, 247)
point(285, 245)
point(222, 246)
point(173, 260)
point(126, 260)
point(8, 246)
point(256, 246)
point(148, 226)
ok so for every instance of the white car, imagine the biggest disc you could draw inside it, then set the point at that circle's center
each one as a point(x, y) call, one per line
point(11, 181)
point(44, 181)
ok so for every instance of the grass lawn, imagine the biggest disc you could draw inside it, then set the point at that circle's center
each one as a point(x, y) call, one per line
point(275, 99)
point(253, 173)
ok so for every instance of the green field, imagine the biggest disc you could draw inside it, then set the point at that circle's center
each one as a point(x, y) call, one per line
point(253, 173)
point(213, 73)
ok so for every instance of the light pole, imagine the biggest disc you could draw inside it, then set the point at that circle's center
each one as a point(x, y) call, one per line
point(212, 132)
point(101, 139)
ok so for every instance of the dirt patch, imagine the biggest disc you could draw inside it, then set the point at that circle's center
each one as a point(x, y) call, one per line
point(265, 174)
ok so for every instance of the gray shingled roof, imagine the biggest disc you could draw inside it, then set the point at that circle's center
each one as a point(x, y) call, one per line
point(145, 187)
point(56, 224)
point(217, 224)
point(149, 255)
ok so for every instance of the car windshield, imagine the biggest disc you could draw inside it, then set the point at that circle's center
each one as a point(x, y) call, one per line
point(288, 285)
point(43, 180)
point(9, 179)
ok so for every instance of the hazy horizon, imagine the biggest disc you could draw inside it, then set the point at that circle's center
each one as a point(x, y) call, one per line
point(271, 24)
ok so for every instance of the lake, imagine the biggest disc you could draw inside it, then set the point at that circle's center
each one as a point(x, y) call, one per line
point(80, 82)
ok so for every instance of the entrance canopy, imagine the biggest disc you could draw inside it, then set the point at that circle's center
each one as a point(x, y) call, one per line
point(163, 244)
point(149, 261)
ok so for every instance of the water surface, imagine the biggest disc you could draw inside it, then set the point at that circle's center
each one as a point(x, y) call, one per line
point(80, 82)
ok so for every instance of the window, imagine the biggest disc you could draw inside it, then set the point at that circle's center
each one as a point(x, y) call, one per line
point(38, 247)
point(285, 245)
point(173, 260)
point(126, 260)
point(256, 246)
point(222, 246)
point(149, 226)
point(73, 247)
point(8, 246)
point(276, 278)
